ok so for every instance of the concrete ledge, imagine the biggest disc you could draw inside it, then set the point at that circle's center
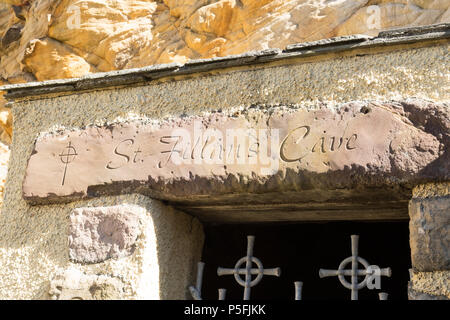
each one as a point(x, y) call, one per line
point(308, 49)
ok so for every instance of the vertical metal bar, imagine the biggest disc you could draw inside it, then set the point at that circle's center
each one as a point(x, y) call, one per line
point(222, 293)
point(248, 266)
point(198, 285)
point(298, 290)
point(383, 295)
point(354, 266)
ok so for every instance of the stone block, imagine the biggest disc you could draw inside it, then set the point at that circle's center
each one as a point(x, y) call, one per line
point(101, 233)
point(282, 149)
point(430, 233)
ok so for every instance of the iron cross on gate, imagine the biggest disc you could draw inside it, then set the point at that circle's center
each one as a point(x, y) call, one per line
point(248, 271)
point(355, 272)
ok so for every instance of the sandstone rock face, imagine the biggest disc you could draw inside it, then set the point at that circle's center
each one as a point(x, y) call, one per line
point(430, 233)
point(101, 233)
point(87, 36)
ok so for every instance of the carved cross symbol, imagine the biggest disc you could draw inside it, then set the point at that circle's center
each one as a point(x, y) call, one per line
point(248, 271)
point(354, 272)
point(69, 157)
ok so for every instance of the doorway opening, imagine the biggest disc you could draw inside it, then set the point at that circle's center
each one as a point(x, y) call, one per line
point(300, 250)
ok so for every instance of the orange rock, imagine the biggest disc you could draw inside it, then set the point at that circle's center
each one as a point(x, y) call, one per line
point(50, 59)
point(118, 34)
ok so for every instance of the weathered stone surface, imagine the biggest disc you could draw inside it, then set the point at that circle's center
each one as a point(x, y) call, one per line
point(417, 295)
point(433, 285)
point(61, 62)
point(72, 284)
point(430, 233)
point(256, 151)
point(101, 233)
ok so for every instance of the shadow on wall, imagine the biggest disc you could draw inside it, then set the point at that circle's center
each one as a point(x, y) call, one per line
point(179, 242)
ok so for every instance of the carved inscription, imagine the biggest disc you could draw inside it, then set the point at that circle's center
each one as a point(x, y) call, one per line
point(67, 158)
point(295, 146)
point(252, 145)
point(237, 146)
point(125, 159)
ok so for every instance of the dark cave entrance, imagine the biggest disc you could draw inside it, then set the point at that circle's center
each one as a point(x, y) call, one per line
point(300, 250)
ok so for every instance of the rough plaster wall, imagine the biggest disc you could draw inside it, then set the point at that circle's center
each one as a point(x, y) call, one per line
point(32, 244)
point(34, 248)
point(53, 39)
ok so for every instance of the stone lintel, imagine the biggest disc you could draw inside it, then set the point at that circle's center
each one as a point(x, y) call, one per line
point(369, 154)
